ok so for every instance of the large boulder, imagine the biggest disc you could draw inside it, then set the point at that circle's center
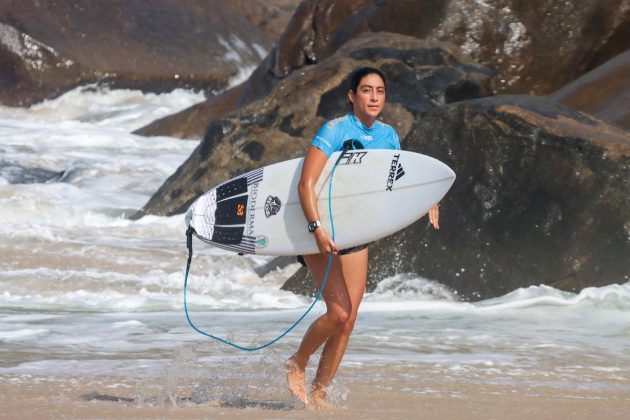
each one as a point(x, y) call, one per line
point(47, 47)
point(603, 92)
point(531, 46)
point(279, 126)
point(541, 197)
point(272, 16)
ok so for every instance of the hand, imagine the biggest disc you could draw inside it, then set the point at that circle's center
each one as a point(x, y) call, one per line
point(324, 242)
point(434, 216)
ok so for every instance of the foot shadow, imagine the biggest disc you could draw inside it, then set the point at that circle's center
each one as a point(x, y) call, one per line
point(241, 403)
point(261, 405)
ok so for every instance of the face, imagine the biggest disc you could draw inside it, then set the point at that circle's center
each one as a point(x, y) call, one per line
point(369, 99)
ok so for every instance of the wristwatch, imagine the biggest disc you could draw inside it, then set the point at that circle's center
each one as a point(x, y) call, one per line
point(314, 225)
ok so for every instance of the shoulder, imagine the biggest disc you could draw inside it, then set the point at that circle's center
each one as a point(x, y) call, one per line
point(382, 126)
point(331, 135)
point(340, 121)
point(389, 134)
point(386, 129)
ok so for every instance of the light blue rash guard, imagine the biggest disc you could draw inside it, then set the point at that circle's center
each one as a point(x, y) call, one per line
point(331, 137)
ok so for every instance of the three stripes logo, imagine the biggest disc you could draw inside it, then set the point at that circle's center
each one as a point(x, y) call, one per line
point(396, 172)
point(399, 172)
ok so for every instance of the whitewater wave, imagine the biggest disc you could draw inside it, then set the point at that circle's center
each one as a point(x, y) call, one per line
point(408, 293)
point(117, 109)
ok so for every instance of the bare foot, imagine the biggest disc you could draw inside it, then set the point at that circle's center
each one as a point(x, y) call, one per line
point(295, 379)
point(318, 400)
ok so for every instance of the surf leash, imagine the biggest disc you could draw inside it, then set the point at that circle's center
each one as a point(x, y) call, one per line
point(189, 233)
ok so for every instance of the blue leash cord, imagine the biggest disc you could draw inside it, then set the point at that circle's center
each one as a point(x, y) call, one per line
point(189, 233)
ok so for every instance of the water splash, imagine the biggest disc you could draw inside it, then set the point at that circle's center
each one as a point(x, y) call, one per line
point(250, 381)
point(255, 380)
point(184, 364)
point(409, 286)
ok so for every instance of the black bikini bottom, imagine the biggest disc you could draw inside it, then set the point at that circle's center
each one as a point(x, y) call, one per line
point(352, 250)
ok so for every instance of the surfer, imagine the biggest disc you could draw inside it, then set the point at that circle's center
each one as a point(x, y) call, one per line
point(345, 286)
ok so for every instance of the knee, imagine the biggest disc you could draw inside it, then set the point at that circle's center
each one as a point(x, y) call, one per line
point(340, 315)
point(348, 326)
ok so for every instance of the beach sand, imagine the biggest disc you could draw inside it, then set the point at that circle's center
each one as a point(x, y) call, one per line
point(381, 392)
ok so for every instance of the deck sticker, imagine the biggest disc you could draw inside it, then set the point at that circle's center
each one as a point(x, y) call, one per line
point(272, 206)
point(251, 211)
point(351, 158)
point(261, 241)
point(396, 172)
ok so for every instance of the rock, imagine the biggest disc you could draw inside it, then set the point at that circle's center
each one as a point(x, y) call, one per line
point(271, 16)
point(541, 197)
point(48, 47)
point(273, 265)
point(192, 122)
point(531, 47)
point(603, 92)
point(421, 76)
point(19, 174)
point(31, 71)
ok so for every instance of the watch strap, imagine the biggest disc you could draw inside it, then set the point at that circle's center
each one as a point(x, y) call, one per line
point(312, 226)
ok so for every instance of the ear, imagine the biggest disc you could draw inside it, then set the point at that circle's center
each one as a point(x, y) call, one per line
point(351, 96)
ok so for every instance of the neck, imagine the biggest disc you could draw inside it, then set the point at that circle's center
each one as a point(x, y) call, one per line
point(367, 121)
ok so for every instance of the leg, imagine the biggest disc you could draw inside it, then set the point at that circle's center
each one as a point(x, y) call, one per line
point(354, 269)
point(338, 310)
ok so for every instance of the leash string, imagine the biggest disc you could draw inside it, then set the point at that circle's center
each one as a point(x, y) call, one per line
point(189, 234)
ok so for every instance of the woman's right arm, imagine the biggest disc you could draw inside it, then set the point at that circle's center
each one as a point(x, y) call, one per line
point(313, 164)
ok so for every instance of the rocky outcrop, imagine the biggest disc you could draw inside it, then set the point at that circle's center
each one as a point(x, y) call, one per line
point(531, 46)
point(541, 196)
point(603, 92)
point(271, 16)
point(191, 122)
point(278, 127)
point(48, 47)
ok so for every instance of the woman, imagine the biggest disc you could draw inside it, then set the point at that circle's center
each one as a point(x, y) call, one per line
point(348, 274)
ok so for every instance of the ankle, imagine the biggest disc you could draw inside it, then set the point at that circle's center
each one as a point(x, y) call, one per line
point(318, 390)
point(298, 361)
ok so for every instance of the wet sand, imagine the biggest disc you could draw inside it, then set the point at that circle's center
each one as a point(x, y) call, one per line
point(389, 392)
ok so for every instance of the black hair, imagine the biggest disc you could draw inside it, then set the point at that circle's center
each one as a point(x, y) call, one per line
point(361, 73)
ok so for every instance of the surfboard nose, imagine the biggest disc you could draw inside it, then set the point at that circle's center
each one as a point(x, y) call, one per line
point(448, 171)
point(442, 170)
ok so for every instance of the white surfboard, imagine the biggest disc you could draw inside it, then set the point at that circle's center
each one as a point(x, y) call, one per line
point(374, 193)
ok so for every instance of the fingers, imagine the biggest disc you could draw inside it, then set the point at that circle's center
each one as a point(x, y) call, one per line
point(325, 243)
point(434, 216)
point(327, 249)
point(331, 247)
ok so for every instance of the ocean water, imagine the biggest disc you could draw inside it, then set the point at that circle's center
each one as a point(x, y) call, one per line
point(86, 291)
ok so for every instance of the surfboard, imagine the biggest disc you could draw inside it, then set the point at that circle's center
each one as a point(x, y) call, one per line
point(374, 194)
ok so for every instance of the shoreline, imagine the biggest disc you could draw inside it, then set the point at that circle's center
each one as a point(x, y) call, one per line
point(367, 392)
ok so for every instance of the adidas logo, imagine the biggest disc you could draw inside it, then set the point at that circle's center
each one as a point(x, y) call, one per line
point(396, 172)
point(400, 172)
